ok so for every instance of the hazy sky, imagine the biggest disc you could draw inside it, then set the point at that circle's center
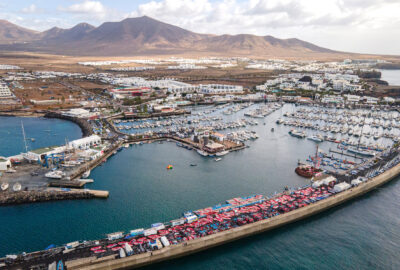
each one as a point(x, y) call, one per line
point(370, 26)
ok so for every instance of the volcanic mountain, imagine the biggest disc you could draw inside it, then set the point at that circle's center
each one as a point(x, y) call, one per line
point(147, 36)
point(11, 33)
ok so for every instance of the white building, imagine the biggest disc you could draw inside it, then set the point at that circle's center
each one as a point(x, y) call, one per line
point(5, 164)
point(5, 91)
point(221, 89)
point(79, 113)
point(352, 98)
point(86, 142)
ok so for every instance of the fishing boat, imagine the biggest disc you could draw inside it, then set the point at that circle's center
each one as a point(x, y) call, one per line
point(4, 186)
point(17, 187)
point(310, 171)
point(307, 171)
point(86, 174)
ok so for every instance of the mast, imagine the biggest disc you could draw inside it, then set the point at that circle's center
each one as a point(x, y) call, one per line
point(23, 134)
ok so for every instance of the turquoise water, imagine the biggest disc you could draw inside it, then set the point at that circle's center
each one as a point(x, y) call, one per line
point(363, 234)
point(392, 76)
point(46, 132)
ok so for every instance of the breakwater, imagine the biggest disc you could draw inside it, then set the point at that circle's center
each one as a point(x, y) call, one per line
point(82, 123)
point(220, 238)
point(11, 198)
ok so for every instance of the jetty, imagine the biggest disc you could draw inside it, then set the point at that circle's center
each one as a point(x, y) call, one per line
point(50, 194)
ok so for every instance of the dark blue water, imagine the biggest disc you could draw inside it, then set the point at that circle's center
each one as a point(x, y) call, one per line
point(46, 132)
point(363, 234)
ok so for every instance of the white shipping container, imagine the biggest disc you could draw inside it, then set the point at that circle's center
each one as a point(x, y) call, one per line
point(341, 187)
point(164, 241)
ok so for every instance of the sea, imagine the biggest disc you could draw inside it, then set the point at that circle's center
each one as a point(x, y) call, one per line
point(361, 234)
point(392, 76)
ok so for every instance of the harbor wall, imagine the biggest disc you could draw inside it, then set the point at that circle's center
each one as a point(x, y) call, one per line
point(82, 123)
point(210, 241)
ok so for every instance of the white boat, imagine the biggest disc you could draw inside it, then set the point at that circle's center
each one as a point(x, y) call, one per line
point(361, 152)
point(86, 174)
point(55, 174)
point(86, 181)
point(223, 153)
point(4, 186)
point(218, 159)
point(17, 187)
point(203, 153)
point(315, 138)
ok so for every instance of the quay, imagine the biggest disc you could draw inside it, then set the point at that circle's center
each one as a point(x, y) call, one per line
point(206, 242)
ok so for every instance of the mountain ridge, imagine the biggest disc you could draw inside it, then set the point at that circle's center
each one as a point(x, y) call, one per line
point(145, 35)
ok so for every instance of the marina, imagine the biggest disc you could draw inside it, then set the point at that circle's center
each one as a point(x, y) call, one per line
point(260, 129)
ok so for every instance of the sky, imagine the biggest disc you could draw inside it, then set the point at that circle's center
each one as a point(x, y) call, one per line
point(364, 26)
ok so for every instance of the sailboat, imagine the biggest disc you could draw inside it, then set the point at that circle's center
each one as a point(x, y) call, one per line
point(357, 150)
point(29, 157)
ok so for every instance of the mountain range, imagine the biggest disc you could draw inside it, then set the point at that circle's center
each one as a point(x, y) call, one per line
point(147, 36)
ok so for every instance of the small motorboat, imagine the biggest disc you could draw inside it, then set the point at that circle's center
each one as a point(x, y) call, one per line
point(193, 164)
point(86, 174)
point(17, 187)
point(218, 159)
point(4, 186)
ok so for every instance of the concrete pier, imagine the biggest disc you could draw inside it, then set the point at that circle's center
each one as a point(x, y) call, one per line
point(210, 241)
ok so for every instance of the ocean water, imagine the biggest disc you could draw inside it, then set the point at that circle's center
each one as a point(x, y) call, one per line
point(46, 132)
point(392, 76)
point(362, 234)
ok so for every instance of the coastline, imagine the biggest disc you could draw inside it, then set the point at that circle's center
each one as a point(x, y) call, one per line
point(207, 242)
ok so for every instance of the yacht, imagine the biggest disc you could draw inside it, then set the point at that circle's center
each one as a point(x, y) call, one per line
point(55, 174)
point(315, 138)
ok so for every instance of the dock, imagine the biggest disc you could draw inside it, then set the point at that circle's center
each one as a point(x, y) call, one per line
point(344, 153)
